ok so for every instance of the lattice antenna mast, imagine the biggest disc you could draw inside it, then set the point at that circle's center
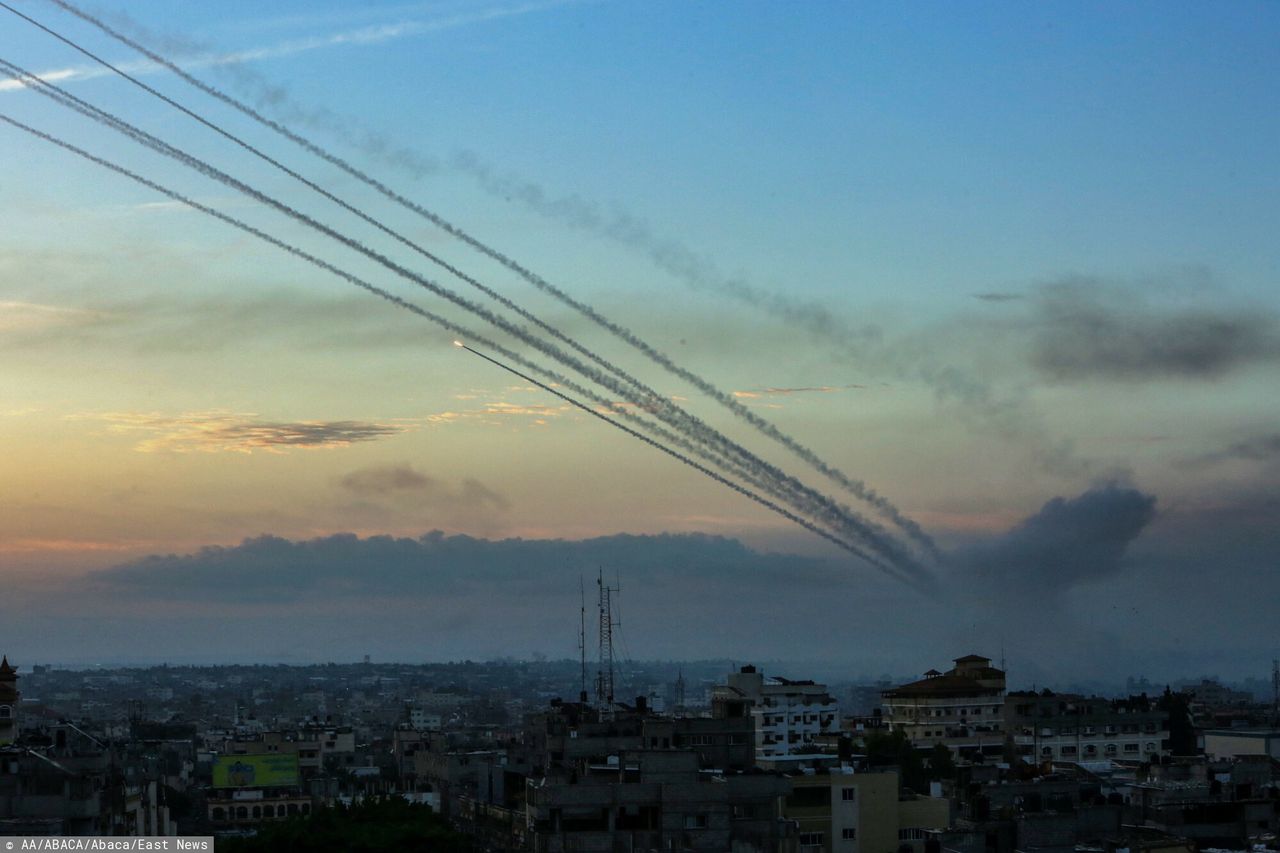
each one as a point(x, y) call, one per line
point(582, 638)
point(604, 674)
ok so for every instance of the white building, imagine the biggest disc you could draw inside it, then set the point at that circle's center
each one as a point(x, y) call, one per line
point(790, 716)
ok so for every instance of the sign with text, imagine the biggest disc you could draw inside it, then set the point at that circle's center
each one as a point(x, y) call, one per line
point(255, 771)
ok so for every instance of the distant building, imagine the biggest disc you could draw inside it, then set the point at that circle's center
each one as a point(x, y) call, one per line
point(962, 708)
point(790, 717)
point(1212, 694)
point(9, 699)
point(1051, 726)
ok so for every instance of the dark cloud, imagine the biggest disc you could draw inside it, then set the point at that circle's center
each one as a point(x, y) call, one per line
point(269, 569)
point(998, 297)
point(1260, 448)
point(1067, 543)
point(389, 478)
point(1084, 330)
point(224, 431)
point(403, 483)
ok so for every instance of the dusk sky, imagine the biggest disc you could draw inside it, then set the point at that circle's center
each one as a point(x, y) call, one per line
point(1014, 266)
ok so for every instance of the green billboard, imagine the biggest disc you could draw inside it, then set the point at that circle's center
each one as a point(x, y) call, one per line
point(255, 771)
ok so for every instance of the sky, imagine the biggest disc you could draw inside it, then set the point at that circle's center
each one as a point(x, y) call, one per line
point(1010, 268)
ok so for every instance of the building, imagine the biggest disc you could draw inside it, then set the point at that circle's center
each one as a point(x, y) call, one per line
point(9, 699)
point(837, 810)
point(962, 708)
point(790, 718)
point(1234, 743)
point(1049, 726)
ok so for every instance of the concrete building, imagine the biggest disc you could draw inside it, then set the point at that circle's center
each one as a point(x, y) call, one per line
point(1234, 743)
point(1049, 726)
point(632, 780)
point(839, 811)
point(962, 708)
point(654, 799)
point(9, 699)
point(789, 717)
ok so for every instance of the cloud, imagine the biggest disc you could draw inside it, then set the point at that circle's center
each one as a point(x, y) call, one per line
point(34, 317)
point(403, 483)
point(785, 392)
point(1069, 542)
point(1085, 330)
point(499, 413)
point(362, 36)
point(1261, 448)
point(995, 296)
point(271, 569)
point(218, 432)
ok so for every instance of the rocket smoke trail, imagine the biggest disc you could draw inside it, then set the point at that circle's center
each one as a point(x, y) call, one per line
point(452, 327)
point(807, 500)
point(645, 439)
point(361, 214)
point(652, 395)
point(854, 486)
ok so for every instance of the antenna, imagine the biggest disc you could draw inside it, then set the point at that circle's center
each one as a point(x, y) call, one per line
point(679, 709)
point(582, 638)
point(604, 674)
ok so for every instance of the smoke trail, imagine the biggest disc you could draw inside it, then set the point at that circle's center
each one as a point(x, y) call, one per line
point(650, 393)
point(649, 441)
point(856, 487)
point(456, 329)
point(361, 214)
point(872, 535)
point(805, 498)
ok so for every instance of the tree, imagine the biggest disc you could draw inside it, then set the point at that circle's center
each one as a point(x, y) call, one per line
point(941, 763)
point(893, 749)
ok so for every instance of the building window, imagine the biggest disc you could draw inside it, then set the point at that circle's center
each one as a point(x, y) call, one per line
point(849, 833)
point(812, 839)
point(6, 712)
point(1151, 747)
point(1068, 750)
point(1130, 747)
point(1111, 749)
point(695, 821)
point(848, 794)
point(911, 834)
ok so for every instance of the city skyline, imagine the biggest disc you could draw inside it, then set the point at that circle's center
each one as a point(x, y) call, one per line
point(1010, 267)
